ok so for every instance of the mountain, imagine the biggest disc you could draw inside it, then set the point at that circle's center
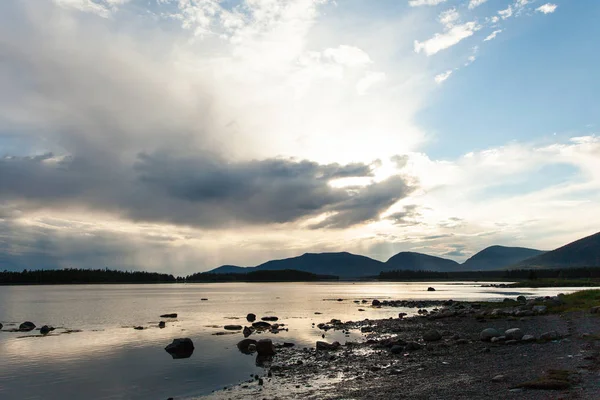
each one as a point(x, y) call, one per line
point(497, 257)
point(345, 265)
point(580, 253)
point(408, 260)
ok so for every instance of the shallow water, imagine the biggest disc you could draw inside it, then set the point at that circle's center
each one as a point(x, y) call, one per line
point(108, 359)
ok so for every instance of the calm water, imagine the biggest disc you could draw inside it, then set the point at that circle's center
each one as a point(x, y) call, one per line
point(108, 359)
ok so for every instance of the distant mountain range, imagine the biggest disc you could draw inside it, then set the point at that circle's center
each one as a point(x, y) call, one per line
point(581, 253)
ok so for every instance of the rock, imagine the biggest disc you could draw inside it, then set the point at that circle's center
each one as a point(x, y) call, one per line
point(361, 309)
point(247, 331)
point(514, 334)
point(521, 299)
point(204, 299)
point(430, 289)
point(233, 327)
point(595, 310)
point(552, 335)
point(499, 378)
point(539, 309)
point(264, 347)
point(162, 324)
point(402, 315)
point(44, 330)
point(173, 315)
point(269, 318)
point(328, 346)
point(432, 336)
point(528, 338)
point(509, 342)
point(1, 325)
point(261, 325)
point(247, 346)
point(251, 317)
point(366, 329)
point(498, 339)
point(27, 326)
point(410, 346)
point(375, 303)
point(487, 334)
point(180, 348)
point(396, 349)
point(288, 344)
point(462, 341)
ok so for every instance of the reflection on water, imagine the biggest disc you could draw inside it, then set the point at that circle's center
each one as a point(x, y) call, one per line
point(109, 359)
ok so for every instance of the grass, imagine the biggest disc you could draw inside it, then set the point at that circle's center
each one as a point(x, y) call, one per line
point(555, 379)
point(577, 301)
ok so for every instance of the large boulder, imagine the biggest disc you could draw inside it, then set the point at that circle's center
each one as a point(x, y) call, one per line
point(247, 346)
point(514, 334)
point(432, 336)
point(328, 346)
point(265, 348)
point(487, 334)
point(27, 326)
point(180, 348)
point(251, 317)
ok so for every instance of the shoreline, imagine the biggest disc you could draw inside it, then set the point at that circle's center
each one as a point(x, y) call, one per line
point(404, 358)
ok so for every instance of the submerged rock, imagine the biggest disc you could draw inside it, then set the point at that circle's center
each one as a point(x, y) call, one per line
point(44, 330)
point(180, 348)
point(27, 326)
point(173, 315)
point(251, 317)
point(233, 327)
point(247, 346)
point(261, 325)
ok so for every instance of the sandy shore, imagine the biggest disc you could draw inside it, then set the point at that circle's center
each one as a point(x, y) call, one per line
point(396, 362)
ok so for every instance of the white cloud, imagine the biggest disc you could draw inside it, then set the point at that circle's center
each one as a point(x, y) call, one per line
point(370, 79)
point(442, 41)
point(85, 6)
point(475, 3)
point(492, 35)
point(448, 17)
point(443, 76)
point(547, 8)
point(348, 55)
point(417, 3)
point(506, 13)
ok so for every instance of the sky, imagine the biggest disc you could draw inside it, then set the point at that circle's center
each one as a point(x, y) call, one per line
point(180, 135)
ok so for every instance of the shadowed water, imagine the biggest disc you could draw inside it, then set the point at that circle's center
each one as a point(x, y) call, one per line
point(108, 359)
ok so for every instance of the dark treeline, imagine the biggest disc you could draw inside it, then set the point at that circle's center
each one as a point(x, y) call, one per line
point(514, 274)
point(286, 275)
point(73, 276)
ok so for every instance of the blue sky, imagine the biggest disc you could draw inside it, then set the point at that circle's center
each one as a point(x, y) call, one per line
point(179, 135)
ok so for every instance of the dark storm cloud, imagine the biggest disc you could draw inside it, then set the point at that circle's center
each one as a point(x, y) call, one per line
point(204, 190)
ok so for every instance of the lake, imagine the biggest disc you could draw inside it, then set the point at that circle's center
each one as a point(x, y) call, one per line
point(105, 358)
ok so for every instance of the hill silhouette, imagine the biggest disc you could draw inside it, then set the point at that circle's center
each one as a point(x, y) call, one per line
point(411, 261)
point(497, 257)
point(580, 253)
